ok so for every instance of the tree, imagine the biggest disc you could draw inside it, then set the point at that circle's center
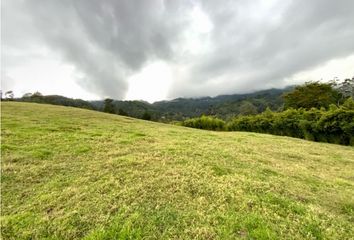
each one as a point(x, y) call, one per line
point(122, 112)
point(247, 108)
point(9, 95)
point(37, 94)
point(108, 105)
point(27, 95)
point(346, 88)
point(348, 104)
point(37, 97)
point(312, 95)
point(146, 116)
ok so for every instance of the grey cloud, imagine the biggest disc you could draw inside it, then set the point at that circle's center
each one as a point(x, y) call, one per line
point(255, 55)
point(108, 41)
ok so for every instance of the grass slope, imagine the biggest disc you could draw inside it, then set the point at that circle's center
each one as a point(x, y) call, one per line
point(71, 173)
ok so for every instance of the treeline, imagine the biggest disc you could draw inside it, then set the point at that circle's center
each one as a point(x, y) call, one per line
point(205, 122)
point(224, 106)
point(314, 111)
point(136, 109)
point(335, 125)
point(37, 97)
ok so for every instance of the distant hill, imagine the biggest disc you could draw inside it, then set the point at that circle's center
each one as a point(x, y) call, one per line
point(57, 100)
point(223, 106)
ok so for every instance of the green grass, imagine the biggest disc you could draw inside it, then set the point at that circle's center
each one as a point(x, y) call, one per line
point(70, 173)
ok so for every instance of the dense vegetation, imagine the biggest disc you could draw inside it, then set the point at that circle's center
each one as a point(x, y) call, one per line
point(205, 122)
point(310, 114)
point(332, 126)
point(225, 107)
point(78, 174)
point(55, 100)
point(312, 111)
point(312, 95)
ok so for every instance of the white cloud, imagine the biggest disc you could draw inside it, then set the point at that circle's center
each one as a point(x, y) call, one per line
point(151, 84)
point(341, 68)
point(43, 72)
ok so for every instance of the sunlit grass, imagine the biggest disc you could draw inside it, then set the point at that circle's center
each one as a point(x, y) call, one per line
point(70, 173)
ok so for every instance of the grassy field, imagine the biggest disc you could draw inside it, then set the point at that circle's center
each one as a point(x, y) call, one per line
point(71, 173)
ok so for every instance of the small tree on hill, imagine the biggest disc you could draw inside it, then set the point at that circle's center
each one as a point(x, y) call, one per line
point(146, 116)
point(346, 88)
point(27, 95)
point(108, 105)
point(9, 95)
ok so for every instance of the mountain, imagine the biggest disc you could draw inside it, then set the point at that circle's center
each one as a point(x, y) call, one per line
point(223, 106)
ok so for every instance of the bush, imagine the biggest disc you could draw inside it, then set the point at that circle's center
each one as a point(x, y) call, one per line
point(333, 126)
point(205, 122)
point(337, 127)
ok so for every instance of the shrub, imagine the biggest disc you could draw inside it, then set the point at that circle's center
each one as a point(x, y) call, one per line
point(334, 126)
point(205, 122)
point(337, 126)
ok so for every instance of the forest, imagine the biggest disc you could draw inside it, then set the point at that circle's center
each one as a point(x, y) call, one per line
point(224, 106)
point(317, 111)
point(322, 112)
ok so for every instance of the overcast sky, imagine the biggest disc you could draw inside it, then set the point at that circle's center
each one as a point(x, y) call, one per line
point(156, 49)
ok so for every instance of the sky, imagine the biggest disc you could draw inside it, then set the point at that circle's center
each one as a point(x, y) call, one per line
point(162, 49)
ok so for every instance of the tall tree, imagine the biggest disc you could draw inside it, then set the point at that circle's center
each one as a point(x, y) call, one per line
point(108, 105)
point(146, 116)
point(312, 95)
point(27, 95)
point(9, 95)
point(346, 88)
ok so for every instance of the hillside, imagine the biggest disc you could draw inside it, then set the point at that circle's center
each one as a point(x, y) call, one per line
point(223, 106)
point(70, 173)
